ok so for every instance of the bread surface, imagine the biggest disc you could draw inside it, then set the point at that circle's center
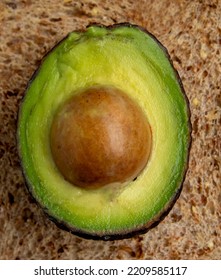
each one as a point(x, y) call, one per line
point(191, 31)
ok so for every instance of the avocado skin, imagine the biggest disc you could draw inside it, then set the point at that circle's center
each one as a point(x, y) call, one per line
point(164, 212)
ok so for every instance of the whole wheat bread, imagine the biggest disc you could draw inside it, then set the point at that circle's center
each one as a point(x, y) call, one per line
point(191, 31)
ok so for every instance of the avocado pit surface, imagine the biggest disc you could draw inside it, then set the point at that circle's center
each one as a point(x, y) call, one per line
point(100, 136)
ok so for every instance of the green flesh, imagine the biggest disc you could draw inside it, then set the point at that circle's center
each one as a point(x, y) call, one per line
point(131, 60)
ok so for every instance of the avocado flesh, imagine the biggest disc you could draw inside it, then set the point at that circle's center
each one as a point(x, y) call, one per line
point(133, 61)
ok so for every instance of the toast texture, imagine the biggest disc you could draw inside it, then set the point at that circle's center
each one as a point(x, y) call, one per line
point(191, 31)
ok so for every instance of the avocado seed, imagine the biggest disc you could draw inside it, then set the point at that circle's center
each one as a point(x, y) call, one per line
point(100, 136)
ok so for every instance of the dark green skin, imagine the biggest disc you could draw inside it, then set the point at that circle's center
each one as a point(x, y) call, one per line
point(165, 211)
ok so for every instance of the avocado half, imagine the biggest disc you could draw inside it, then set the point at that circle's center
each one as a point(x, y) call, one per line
point(122, 64)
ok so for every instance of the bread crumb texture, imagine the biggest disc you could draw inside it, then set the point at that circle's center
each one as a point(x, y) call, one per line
point(191, 31)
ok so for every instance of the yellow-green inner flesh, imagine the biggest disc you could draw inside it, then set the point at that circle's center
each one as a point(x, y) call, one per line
point(132, 61)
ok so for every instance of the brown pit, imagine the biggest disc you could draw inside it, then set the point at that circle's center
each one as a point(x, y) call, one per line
point(100, 136)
